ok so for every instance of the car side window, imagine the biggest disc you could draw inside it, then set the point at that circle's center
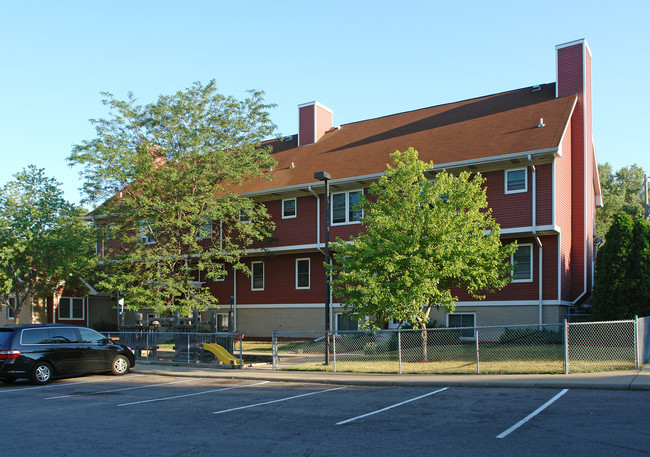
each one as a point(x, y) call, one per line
point(64, 335)
point(89, 336)
point(35, 336)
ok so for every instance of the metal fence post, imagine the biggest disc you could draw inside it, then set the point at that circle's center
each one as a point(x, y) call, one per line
point(334, 350)
point(399, 348)
point(566, 347)
point(478, 366)
point(275, 350)
point(188, 347)
point(636, 342)
point(148, 345)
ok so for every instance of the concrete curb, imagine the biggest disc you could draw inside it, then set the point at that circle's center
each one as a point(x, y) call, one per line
point(616, 380)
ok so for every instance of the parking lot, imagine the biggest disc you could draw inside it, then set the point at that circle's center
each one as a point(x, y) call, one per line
point(143, 414)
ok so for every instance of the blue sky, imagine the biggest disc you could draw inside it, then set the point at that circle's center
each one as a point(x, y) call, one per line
point(361, 59)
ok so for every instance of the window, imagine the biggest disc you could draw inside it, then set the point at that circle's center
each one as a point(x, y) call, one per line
point(345, 322)
point(343, 207)
point(244, 216)
point(222, 323)
point(302, 273)
point(289, 208)
point(147, 232)
point(523, 263)
point(35, 336)
point(204, 230)
point(10, 312)
point(89, 336)
point(462, 320)
point(71, 308)
point(257, 276)
point(63, 335)
point(516, 181)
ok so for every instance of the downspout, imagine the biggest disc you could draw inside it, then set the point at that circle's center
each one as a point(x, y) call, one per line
point(234, 300)
point(538, 241)
point(317, 220)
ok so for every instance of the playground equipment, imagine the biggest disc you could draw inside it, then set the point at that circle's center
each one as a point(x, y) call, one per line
point(222, 354)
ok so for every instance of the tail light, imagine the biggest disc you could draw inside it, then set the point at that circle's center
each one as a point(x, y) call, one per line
point(8, 355)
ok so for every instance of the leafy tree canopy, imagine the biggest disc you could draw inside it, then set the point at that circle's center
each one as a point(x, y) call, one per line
point(169, 172)
point(422, 238)
point(43, 240)
point(622, 192)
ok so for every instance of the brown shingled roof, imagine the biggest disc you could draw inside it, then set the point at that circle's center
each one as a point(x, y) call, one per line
point(465, 131)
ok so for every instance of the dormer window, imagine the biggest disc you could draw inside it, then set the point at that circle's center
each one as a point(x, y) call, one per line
point(516, 181)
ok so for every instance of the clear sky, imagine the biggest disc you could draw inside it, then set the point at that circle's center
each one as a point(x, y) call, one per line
point(362, 59)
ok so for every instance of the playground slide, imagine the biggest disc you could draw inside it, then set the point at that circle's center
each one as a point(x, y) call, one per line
point(221, 353)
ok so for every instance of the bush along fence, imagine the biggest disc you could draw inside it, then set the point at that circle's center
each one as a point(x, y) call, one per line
point(549, 348)
point(150, 344)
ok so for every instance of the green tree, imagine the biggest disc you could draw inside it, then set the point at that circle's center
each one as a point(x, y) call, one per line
point(421, 239)
point(622, 282)
point(622, 192)
point(43, 240)
point(169, 171)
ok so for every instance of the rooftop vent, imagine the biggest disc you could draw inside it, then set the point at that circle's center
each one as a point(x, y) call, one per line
point(541, 122)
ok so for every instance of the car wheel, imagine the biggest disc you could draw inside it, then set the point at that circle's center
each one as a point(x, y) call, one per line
point(120, 365)
point(42, 373)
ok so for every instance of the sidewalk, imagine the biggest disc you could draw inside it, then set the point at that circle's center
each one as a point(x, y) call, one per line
point(617, 380)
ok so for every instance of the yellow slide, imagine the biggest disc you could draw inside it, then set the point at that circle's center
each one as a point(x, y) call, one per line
point(221, 353)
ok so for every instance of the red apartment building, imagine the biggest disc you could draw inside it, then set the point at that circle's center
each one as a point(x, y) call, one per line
point(533, 145)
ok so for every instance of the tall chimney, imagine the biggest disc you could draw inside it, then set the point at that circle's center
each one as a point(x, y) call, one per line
point(574, 77)
point(314, 120)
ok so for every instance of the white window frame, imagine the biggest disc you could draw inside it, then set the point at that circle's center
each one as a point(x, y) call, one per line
point(516, 191)
point(512, 262)
point(243, 218)
point(72, 317)
point(464, 338)
point(308, 286)
point(257, 262)
point(347, 207)
point(295, 208)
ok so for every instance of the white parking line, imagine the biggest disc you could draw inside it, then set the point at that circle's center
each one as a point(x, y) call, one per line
point(390, 407)
point(65, 384)
point(192, 394)
point(117, 390)
point(277, 401)
point(531, 415)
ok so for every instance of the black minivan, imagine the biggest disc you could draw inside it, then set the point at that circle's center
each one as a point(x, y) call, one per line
point(42, 352)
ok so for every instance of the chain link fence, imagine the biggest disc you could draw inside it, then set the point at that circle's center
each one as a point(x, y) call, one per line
point(549, 348)
point(185, 346)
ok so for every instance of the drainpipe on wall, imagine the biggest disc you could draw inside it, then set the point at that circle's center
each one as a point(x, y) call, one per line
point(540, 311)
point(317, 220)
point(234, 301)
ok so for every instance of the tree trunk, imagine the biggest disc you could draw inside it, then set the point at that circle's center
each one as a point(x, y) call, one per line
point(424, 338)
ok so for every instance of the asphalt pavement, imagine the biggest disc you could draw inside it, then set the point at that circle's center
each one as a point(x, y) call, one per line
point(616, 380)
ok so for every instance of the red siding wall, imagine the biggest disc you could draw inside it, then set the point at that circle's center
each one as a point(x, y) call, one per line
point(563, 213)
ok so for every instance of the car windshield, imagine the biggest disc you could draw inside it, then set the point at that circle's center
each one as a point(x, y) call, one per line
point(5, 337)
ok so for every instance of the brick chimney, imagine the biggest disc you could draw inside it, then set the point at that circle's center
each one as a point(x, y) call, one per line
point(314, 120)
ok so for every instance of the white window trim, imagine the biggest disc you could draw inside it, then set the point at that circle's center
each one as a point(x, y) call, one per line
point(517, 191)
point(308, 270)
point(463, 338)
point(512, 262)
point(72, 318)
point(295, 208)
point(253, 276)
point(347, 207)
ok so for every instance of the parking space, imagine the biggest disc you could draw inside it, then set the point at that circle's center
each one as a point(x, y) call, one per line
point(142, 414)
